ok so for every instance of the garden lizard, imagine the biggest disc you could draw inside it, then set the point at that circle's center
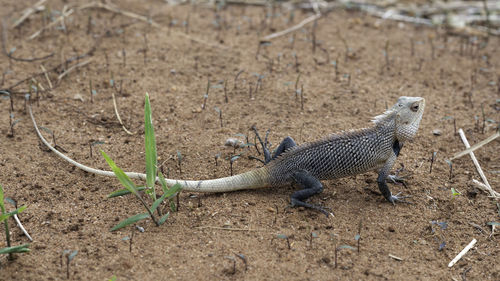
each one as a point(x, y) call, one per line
point(335, 156)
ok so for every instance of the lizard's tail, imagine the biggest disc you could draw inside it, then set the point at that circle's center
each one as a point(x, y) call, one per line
point(258, 178)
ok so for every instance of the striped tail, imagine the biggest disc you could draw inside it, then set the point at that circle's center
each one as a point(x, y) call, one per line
point(258, 178)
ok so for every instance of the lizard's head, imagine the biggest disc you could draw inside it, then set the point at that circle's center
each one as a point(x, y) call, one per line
point(406, 113)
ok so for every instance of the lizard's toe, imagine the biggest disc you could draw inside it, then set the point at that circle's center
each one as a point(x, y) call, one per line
point(297, 203)
point(397, 180)
point(398, 198)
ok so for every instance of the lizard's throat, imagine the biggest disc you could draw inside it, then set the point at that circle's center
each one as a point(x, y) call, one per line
point(406, 132)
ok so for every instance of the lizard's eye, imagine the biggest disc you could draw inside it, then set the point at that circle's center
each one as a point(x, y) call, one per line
point(414, 107)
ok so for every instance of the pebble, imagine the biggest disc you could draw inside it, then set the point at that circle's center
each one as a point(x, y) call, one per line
point(78, 97)
point(436, 132)
point(232, 142)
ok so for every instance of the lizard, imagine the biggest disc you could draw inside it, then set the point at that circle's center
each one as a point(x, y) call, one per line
point(338, 155)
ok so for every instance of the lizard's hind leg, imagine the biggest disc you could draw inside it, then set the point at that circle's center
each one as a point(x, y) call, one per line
point(264, 144)
point(311, 186)
point(287, 143)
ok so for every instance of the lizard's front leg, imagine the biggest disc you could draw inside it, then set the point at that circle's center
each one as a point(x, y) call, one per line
point(382, 181)
point(396, 148)
point(311, 186)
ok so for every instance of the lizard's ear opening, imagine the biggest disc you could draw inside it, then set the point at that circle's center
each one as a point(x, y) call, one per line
point(414, 106)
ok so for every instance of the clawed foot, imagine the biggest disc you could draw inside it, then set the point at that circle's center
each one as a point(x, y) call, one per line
point(397, 198)
point(395, 179)
point(296, 203)
point(264, 144)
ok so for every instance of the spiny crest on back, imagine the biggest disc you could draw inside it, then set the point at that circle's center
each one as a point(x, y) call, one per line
point(389, 113)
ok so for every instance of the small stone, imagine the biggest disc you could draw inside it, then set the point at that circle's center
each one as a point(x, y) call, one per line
point(232, 142)
point(78, 97)
point(436, 132)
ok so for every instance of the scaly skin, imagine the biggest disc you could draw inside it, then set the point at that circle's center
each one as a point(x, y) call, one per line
point(336, 156)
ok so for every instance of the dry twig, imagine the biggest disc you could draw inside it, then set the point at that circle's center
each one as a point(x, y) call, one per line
point(229, 228)
point(476, 163)
point(16, 218)
point(59, 19)
point(291, 29)
point(83, 63)
point(9, 54)
point(486, 188)
point(150, 21)
point(476, 146)
point(463, 252)
point(29, 11)
point(114, 9)
point(46, 76)
point(90, 52)
point(118, 115)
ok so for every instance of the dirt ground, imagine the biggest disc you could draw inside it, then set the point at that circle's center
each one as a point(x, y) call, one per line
point(360, 66)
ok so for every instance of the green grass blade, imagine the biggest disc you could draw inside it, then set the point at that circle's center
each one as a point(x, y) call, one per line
point(122, 192)
point(173, 208)
point(1, 196)
point(16, 249)
point(163, 218)
point(157, 203)
point(3, 217)
point(2, 206)
point(16, 211)
point(163, 182)
point(122, 177)
point(150, 145)
point(173, 190)
point(130, 220)
point(167, 194)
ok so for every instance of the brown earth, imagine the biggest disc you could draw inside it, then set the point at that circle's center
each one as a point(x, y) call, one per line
point(68, 208)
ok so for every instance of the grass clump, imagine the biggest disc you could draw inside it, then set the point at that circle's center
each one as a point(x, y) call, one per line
point(152, 174)
point(4, 218)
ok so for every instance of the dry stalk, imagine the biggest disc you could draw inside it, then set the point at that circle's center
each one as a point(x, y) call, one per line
point(28, 12)
point(476, 146)
point(486, 188)
point(291, 29)
point(118, 115)
point(476, 163)
point(10, 55)
point(46, 76)
point(20, 225)
point(112, 8)
point(463, 252)
point(73, 68)
point(229, 228)
point(55, 22)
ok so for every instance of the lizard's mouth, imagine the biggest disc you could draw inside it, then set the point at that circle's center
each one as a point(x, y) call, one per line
point(421, 107)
